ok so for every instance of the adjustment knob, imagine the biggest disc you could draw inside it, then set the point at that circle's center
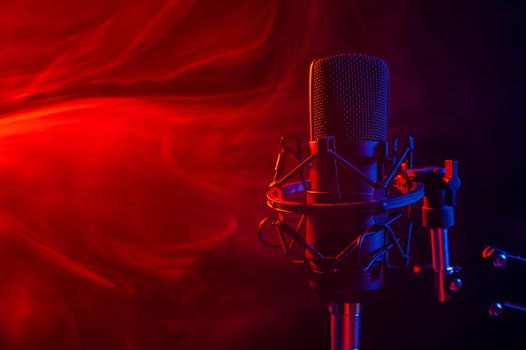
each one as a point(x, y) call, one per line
point(500, 260)
point(495, 310)
point(454, 285)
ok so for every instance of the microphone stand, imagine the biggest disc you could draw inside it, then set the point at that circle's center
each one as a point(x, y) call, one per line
point(345, 325)
point(440, 193)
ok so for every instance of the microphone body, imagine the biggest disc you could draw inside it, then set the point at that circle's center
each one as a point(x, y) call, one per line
point(348, 115)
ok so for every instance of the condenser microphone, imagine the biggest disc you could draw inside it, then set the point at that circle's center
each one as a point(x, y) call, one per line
point(348, 105)
point(348, 114)
point(343, 214)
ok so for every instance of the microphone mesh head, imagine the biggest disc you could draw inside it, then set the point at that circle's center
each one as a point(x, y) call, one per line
point(349, 98)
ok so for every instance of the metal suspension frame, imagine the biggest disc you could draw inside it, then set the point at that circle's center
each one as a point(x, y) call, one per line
point(289, 210)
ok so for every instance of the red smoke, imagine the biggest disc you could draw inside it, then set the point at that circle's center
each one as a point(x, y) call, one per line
point(135, 143)
point(137, 139)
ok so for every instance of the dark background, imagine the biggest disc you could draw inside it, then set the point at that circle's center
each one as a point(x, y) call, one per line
point(457, 86)
point(138, 139)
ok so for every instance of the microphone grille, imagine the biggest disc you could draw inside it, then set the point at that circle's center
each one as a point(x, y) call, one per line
point(349, 98)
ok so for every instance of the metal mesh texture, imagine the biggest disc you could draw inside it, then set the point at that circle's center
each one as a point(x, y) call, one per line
point(349, 98)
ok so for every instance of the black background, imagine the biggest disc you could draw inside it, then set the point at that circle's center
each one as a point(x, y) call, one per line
point(457, 85)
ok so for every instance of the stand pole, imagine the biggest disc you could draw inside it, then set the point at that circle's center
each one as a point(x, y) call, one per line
point(345, 326)
point(441, 266)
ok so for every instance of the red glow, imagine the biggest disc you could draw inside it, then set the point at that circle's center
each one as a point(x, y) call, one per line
point(138, 137)
point(130, 150)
